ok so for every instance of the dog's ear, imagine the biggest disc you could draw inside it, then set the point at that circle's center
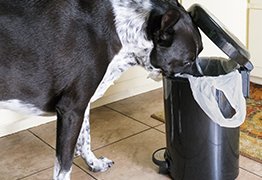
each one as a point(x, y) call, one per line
point(169, 19)
point(164, 36)
point(174, 2)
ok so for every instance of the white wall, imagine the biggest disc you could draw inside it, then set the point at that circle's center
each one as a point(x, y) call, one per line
point(134, 81)
point(232, 13)
point(255, 38)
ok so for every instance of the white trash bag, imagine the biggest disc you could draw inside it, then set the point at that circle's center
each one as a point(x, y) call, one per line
point(231, 85)
point(204, 88)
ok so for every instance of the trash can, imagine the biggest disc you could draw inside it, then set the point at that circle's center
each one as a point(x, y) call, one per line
point(198, 148)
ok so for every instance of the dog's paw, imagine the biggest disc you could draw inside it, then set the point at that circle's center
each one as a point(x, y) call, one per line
point(100, 164)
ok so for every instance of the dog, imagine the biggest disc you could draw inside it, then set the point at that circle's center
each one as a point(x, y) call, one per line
point(58, 56)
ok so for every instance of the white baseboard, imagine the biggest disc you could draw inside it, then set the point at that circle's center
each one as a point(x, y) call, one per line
point(27, 122)
point(257, 80)
point(141, 87)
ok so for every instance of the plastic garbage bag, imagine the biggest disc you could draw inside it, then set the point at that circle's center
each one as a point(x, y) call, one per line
point(231, 85)
point(219, 74)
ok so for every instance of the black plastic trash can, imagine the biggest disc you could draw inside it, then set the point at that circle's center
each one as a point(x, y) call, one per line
point(197, 148)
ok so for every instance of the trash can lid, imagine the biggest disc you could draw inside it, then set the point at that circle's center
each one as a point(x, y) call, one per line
point(220, 35)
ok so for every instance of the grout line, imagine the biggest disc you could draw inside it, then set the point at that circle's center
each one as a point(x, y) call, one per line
point(127, 116)
point(41, 139)
point(155, 127)
point(250, 172)
point(84, 170)
point(35, 172)
point(158, 125)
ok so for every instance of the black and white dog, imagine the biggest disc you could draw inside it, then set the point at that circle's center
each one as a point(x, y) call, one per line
point(58, 56)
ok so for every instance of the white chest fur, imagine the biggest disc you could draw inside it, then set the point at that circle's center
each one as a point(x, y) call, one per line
point(23, 108)
point(115, 69)
point(130, 21)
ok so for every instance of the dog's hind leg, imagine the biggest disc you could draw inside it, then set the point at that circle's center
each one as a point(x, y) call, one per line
point(83, 148)
point(69, 121)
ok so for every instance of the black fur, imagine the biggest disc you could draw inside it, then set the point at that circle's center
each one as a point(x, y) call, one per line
point(54, 54)
point(177, 41)
point(43, 42)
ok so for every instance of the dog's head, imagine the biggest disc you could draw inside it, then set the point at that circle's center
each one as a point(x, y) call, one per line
point(177, 42)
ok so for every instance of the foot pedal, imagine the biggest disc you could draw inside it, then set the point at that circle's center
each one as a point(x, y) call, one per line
point(159, 159)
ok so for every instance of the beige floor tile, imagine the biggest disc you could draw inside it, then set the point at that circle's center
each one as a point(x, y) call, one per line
point(108, 126)
point(23, 154)
point(245, 175)
point(47, 132)
point(77, 174)
point(250, 165)
point(142, 106)
point(132, 157)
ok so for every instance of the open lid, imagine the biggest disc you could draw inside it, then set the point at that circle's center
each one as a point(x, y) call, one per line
point(219, 34)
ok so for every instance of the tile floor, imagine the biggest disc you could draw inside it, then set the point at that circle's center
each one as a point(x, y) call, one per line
point(122, 131)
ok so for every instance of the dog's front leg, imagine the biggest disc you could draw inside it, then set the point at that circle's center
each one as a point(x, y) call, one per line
point(69, 123)
point(83, 148)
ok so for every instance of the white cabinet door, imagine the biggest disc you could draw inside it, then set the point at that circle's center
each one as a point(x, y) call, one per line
point(256, 2)
point(255, 40)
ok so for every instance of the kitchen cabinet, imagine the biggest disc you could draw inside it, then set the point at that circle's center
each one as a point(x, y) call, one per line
point(255, 38)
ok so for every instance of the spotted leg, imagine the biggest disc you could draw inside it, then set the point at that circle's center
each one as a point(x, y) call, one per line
point(83, 148)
